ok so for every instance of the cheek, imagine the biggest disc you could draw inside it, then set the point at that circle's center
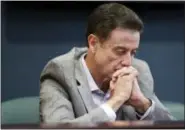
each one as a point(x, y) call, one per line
point(107, 62)
point(113, 62)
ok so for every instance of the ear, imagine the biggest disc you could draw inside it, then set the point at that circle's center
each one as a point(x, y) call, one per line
point(93, 42)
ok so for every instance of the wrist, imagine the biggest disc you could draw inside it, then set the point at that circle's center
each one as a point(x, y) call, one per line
point(143, 106)
point(115, 103)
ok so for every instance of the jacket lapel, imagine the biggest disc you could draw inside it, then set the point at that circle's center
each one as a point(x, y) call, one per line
point(83, 86)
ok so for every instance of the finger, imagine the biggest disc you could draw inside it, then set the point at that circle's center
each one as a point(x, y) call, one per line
point(136, 85)
point(118, 72)
point(134, 74)
point(130, 77)
point(114, 79)
point(123, 71)
point(135, 81)
point(111, 85)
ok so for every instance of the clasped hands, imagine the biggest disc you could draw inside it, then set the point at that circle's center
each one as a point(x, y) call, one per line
point(124, 89)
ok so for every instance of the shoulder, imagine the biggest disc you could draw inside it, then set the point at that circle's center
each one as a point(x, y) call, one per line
point(140, 65)
point(59, 65)
point(67, 59)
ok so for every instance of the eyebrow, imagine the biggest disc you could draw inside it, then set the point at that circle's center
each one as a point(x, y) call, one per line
point(124, 48)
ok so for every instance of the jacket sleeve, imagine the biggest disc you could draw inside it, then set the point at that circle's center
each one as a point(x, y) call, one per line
point(146, 83)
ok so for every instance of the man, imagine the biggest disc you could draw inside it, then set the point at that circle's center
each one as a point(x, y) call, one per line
point(103, 82)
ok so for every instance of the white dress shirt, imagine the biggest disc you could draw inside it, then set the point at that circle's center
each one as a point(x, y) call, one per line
point(100, 98)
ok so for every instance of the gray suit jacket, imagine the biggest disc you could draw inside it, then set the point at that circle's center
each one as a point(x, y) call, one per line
point(66, 97)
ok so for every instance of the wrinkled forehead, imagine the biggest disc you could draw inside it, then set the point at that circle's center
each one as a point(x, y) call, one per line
point(124, 37)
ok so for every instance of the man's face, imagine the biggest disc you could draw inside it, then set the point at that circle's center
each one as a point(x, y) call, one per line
point(117, 51)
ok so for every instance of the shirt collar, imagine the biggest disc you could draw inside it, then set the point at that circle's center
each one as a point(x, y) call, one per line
point(91, 82)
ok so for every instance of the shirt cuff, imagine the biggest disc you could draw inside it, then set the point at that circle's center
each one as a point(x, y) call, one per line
point(150, 109)
point(109, 111)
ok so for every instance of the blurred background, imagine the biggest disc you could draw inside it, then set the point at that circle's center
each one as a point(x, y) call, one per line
point(35, 32)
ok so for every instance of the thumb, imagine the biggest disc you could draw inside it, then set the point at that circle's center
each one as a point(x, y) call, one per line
point(111, 86)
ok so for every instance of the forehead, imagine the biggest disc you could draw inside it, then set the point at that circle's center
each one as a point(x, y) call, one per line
point(124, 38)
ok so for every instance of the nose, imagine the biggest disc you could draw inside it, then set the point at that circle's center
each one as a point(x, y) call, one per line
point(127, 60)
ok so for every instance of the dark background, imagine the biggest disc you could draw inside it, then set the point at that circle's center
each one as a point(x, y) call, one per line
point(34, 32)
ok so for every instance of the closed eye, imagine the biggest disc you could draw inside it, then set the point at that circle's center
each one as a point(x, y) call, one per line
point(133, 53)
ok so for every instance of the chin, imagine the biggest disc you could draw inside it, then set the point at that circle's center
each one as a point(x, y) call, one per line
point(109, 75)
